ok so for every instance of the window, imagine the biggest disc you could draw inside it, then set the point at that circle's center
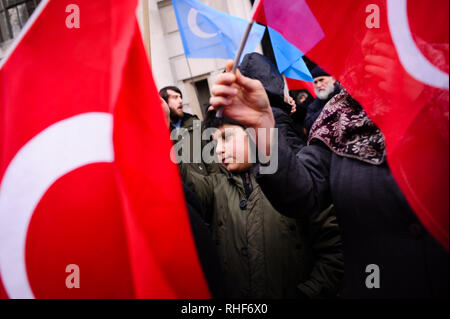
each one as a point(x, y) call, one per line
point(13, 16)
point(203, 95)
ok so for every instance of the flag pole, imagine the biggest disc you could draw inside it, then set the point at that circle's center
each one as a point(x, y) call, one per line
point(286, 87)
point(242, 45)
point(250, 24)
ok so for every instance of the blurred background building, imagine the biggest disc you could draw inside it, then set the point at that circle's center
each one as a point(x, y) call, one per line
point(170, 66)
point(161, 36)
point(13, 16)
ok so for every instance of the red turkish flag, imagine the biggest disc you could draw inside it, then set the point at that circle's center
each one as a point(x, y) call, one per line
point(301, 85)
point(86, 179)
point(393, 57)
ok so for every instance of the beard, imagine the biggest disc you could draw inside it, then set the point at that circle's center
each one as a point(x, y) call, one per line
point(324, 95)
point(176, 114)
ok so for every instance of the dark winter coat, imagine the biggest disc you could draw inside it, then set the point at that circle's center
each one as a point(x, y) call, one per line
point(263, 253)
point(300, 115)
point(206, 249)
point(187, 136)
point(259, 67)
point(378, 226)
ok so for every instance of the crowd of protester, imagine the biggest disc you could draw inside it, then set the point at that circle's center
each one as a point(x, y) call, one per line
point(331, 222)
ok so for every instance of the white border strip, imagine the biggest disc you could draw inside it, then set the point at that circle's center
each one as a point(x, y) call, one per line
point(37, 12)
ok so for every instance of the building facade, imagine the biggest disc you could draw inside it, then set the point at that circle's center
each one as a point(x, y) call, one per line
point(170, 66)
point(13, 16)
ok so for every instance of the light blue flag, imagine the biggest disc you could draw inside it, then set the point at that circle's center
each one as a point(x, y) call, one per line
point(289, 58)
point(209, 33)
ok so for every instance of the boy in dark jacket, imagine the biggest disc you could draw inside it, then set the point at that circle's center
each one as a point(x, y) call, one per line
point(262, 253)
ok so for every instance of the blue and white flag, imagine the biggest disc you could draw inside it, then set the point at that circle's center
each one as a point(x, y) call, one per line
point(209, 33)
point(289, 58)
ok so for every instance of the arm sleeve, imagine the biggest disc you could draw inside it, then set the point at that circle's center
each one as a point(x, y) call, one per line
point(309, 121)
point(328, 269)
point(300, 186)
point(201, 185)
point(286, 127)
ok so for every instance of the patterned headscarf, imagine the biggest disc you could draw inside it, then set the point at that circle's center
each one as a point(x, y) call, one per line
point(347, 130)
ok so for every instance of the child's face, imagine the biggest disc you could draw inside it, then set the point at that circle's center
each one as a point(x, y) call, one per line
point(232, 148)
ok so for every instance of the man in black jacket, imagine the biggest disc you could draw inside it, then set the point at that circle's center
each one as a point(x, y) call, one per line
point(182, 126)
point(326, 88)
point(174, 99)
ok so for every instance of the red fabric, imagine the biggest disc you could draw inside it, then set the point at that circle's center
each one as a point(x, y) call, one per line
point(288, 17)
point(409, 108)
point(301, 85)
point(124, 223)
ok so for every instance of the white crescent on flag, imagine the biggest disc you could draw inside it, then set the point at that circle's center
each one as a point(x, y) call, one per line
point(195, 29)
point(409, 54)
point(56, 151)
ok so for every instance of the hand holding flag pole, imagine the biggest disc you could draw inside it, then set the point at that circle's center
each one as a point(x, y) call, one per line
point(241, 48)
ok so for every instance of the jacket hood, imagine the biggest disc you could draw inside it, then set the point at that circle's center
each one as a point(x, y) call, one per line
point(259, 67)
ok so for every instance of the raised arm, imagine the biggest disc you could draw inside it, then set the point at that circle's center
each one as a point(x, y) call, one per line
point(202, 187)
point(301, 183)
point(300, 186)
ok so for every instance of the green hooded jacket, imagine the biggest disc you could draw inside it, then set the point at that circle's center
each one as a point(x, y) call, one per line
point(264, 254)
point(184, 138)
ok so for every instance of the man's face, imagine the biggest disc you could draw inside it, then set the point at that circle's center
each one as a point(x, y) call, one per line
point(232, 148)
point(175, 104)
point(302, 98)
point(324, 86)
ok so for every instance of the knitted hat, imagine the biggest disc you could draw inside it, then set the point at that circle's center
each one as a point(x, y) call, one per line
point(318, 71)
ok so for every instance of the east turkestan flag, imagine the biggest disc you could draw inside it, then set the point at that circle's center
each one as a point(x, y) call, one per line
point(210, 33)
